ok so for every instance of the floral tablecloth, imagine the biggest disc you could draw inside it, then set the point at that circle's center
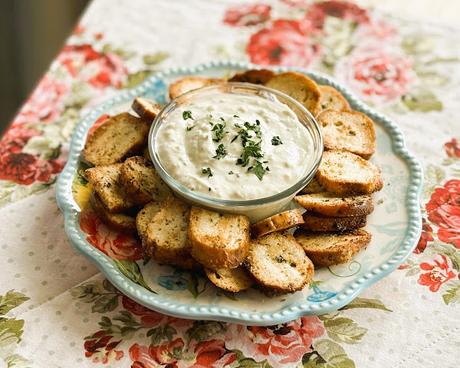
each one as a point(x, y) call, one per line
point(56, 310)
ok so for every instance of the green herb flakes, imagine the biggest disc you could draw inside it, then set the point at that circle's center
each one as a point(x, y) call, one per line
point(252, 149)
point(187, 114)
point(221, 152)
point(276, 141)
point(218, 131)
point(206, 171)
point(258, 169)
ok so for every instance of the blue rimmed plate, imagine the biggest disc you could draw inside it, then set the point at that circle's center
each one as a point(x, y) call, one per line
point(395, 225)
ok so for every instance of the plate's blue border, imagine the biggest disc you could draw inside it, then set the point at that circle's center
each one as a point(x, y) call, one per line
point(169, 306)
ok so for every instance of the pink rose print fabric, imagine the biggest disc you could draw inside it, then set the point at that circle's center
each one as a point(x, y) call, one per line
point(407, 70)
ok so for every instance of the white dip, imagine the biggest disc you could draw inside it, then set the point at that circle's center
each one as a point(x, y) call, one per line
point(234, 147)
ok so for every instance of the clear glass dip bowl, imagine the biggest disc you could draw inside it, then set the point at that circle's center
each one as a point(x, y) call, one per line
point(255, 209)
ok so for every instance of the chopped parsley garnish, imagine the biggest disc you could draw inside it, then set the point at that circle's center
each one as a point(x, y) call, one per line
point(251, 141)
point(254, 127)
point(206, 171)
point(189, 128)
point(221, 152)
point(258, 169)
point(276, 141)
point(245, 134)
point(218, 131)
point(187, 114)
point(251, 149)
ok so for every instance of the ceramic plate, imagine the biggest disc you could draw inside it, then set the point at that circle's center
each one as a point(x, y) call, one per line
point(395, 225)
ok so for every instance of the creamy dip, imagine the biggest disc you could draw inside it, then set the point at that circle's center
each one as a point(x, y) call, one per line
point(234, 146)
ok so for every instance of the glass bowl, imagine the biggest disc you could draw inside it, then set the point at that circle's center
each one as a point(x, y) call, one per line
point(255, 209)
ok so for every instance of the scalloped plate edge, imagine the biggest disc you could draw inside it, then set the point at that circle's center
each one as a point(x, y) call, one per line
point(154, 301)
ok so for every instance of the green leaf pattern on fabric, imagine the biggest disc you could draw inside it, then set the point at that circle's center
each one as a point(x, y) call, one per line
point(11, 192)
point(337, 41)
point(327, 354)
point(203, 330)
point(132, 271)
point(151, 62)
point(103, 297)
point(452, 294)
point(11, 329)
point(155, 58)
point(342, 329)
point(183, 338)
point(158, 334)
point(422, 100)
point(433, 176)
point(16, 361)
point(366, 303)
point(11, 300)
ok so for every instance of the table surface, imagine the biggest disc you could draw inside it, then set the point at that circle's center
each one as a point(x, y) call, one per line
point(57, 310)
